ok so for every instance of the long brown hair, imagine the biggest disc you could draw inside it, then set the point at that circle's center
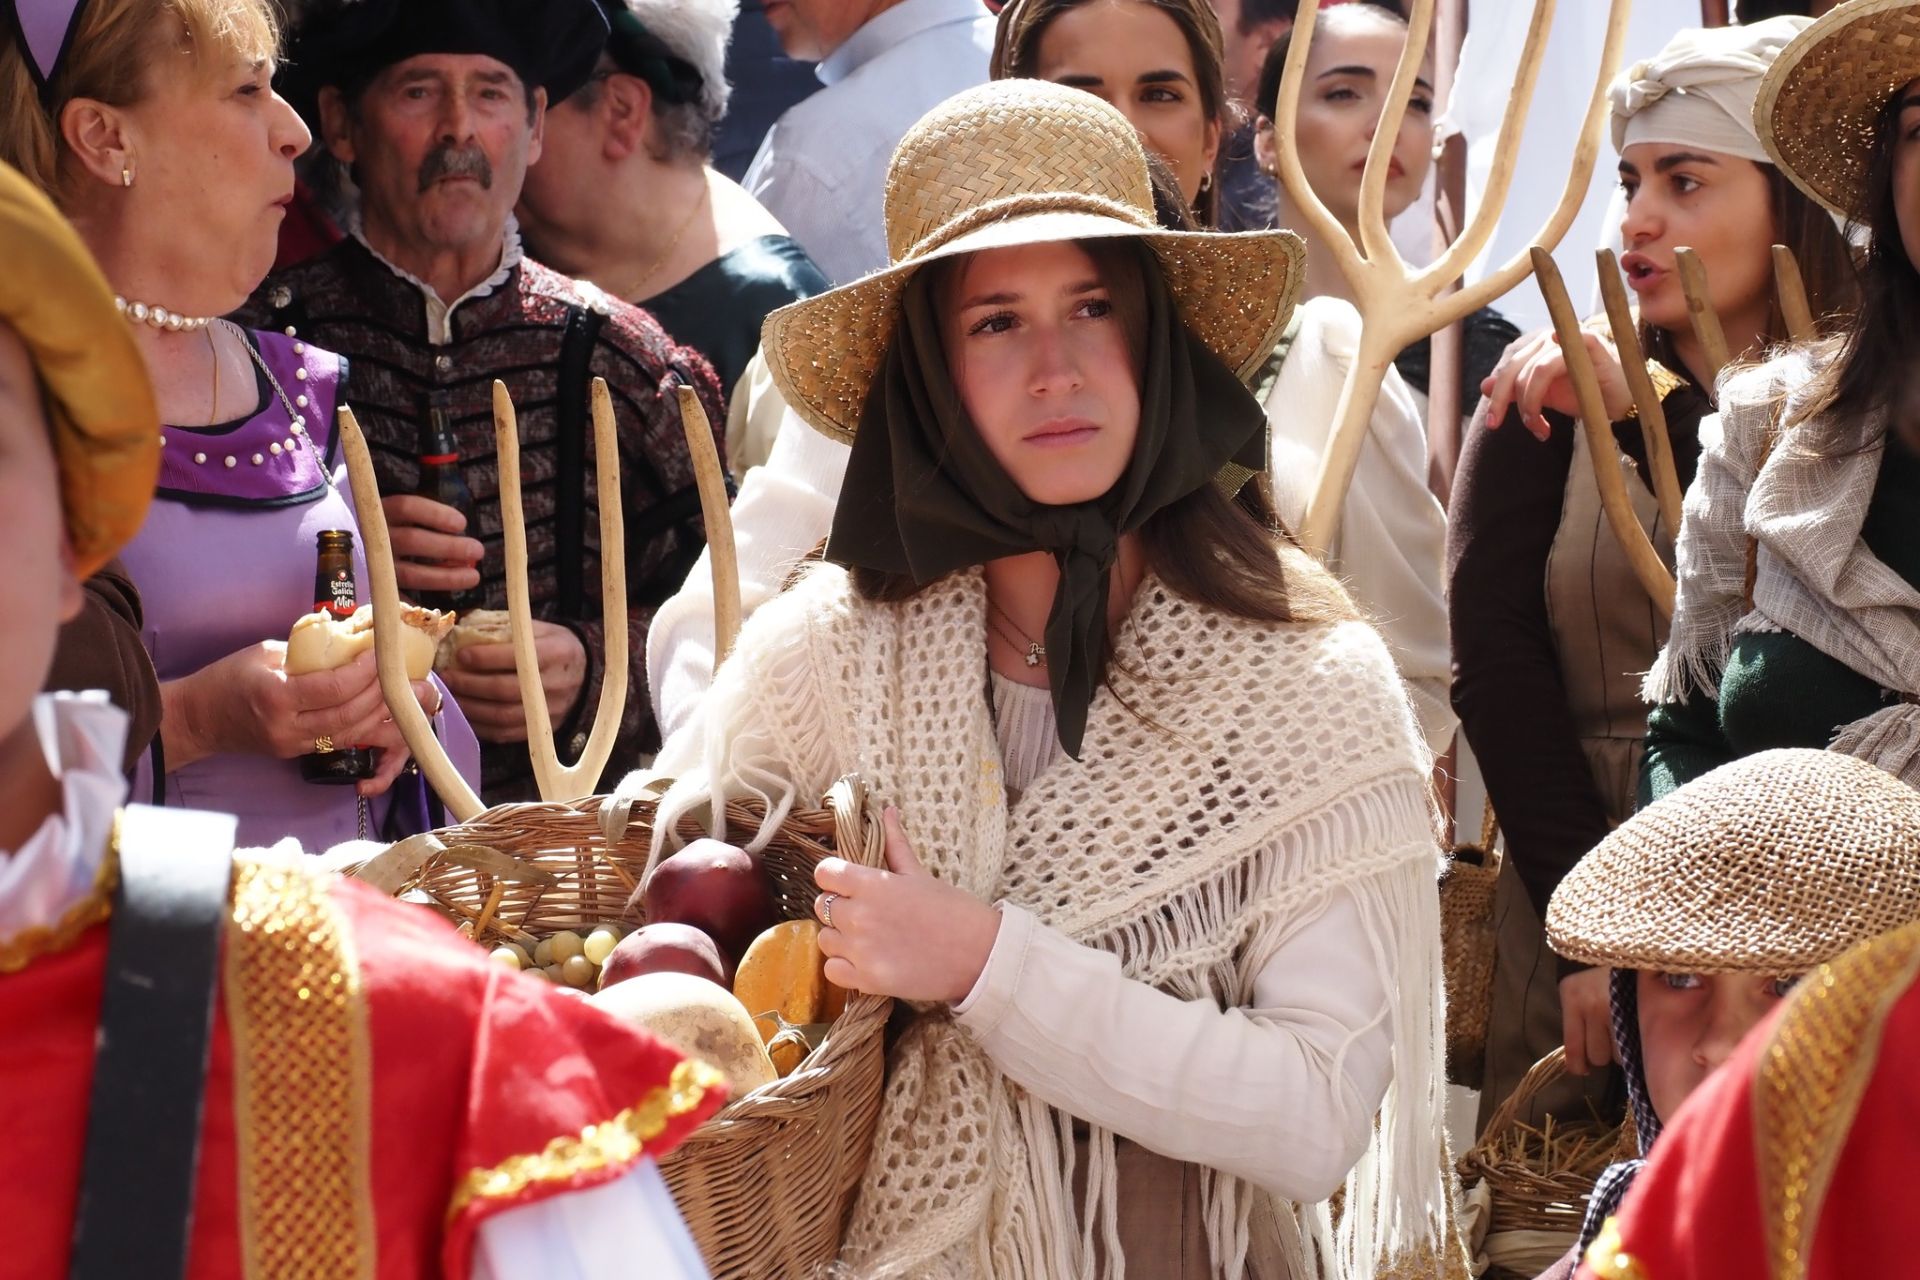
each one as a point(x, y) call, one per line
point(1227, 553)
point(1872, 368)
point(1016, 54)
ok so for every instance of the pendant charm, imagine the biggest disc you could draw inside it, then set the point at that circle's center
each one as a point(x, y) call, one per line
point(1036, 654)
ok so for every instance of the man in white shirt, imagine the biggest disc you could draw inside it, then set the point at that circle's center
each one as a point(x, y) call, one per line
point(885, 63)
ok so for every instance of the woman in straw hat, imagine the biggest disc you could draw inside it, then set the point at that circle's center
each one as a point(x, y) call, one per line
point(1166, 920)
point(153, 125)
point(1388, 546)
point(1547, 612)
point(1706, 906)
point(1796, 1158)
point(1799, 573)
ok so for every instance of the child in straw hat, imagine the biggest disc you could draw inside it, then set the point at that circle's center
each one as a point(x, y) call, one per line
point(1166, 920)
point(1709, 904)
point(1798, 561)
point(1796, 1159)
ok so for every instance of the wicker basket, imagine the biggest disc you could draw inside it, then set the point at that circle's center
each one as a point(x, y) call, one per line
point(1539, 1178)
point(1467, 950)
point(767, 1183)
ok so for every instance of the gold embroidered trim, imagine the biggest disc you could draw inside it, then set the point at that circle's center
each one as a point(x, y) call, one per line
point(303, 1086)
point(1809, 1082)
point(21, 950)
point(1608, 1258)
point(620, 1140)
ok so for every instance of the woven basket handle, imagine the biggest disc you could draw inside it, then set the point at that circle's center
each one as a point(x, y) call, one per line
point(858, 834)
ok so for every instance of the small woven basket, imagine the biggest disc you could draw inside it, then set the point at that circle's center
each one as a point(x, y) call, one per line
point(1539, 1178)
point(767, 1183)
point(1467, 950)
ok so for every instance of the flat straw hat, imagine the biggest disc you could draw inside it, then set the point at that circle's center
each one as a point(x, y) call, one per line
point(106, 430)
point(1772, 864)
point(1819, 102)
point(1019, 162)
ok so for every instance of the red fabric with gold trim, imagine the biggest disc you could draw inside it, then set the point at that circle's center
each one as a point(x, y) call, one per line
point(510, 1091)
point(472, 1066)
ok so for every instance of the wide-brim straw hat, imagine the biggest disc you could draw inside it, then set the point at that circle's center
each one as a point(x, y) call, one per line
point(100, 406)
point(1772, 864)
point(1020, 162)
point(1822, 97)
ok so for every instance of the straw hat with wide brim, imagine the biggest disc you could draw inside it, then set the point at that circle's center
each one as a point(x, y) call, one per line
point(1020, 162)
point(1822, 97)
point(106, 430)
point(1772, 864)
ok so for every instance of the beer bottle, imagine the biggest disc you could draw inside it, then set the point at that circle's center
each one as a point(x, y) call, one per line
point(334, 594)
point(442, 481)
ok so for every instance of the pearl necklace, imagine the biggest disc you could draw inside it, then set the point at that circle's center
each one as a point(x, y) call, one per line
point(297, 421)
point(159, 317)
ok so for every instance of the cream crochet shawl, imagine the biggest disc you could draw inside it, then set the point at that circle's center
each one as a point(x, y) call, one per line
point(1287, 764)
point(1762, 485)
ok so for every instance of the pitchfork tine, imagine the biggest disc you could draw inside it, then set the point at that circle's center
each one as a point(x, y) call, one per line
point(710, 478)
point(459, 798)
point(1700, 312)
point(557, 781)
point(1602, 449)
point(1653, 417)
point(1791, 290)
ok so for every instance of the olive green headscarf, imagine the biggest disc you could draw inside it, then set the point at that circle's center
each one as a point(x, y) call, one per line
point(924, 496)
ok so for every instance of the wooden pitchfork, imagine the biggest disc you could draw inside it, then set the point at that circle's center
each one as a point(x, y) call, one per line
point(1602, 450)
point(1397, 304)
point(554, 780)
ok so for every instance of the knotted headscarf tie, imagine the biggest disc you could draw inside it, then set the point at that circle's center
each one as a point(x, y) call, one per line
point(924, 496)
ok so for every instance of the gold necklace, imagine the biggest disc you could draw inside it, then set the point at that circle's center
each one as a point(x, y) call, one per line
point(1036, 653)
point(213, 349)
point(632, 294)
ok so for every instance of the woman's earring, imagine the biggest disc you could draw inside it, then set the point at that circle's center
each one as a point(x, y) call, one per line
point(1206, 180)
point(126, 175)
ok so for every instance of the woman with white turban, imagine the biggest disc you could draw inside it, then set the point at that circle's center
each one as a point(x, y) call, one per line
point(1550, 627)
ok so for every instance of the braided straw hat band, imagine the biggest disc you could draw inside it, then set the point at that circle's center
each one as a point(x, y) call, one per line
point(1772, 864)
point(1819, 102)
point(1012, 163)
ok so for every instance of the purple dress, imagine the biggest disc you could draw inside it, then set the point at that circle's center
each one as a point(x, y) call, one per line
point(226, 560)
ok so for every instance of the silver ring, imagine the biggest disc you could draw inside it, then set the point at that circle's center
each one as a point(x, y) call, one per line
point(826, 909)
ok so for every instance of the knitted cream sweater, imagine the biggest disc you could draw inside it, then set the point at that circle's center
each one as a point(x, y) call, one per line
point(1261, 768)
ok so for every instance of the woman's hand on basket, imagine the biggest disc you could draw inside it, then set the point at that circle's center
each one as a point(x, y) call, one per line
point(1532, 376)
point(901, 932)
point(247, 704)
point(1586, 1018)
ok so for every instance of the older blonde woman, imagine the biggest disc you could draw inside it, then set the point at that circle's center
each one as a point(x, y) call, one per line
point(155, 127)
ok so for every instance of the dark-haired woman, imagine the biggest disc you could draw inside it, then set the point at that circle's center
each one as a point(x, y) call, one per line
point(1798, 618)
point(1166, 919)
point(1159, 63)
point(1547, 614)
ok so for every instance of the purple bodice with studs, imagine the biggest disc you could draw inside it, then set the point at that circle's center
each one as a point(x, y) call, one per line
point(225, 560)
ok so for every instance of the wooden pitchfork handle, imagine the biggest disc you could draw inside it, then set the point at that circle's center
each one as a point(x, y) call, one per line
point(557, 781)
point(1653, 416)
point(711, 480)
point(463, 805)
point(1603, 450)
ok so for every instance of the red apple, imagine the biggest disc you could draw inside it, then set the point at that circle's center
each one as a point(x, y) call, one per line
point(716, 888)
point(666, 948)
